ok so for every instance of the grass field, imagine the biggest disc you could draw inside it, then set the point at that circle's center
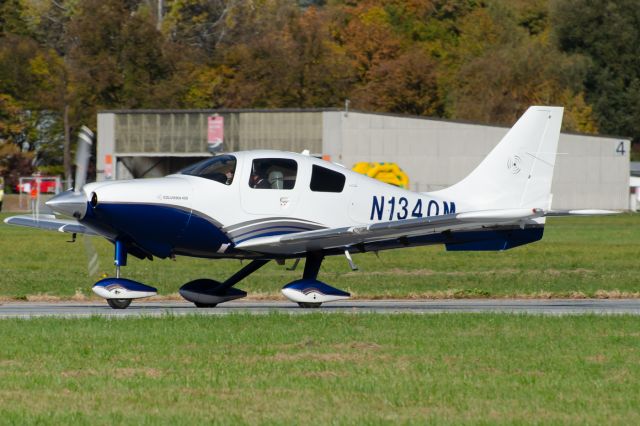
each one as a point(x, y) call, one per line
point(317, 368)
point(593, 257)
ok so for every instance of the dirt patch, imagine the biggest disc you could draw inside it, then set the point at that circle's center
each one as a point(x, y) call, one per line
point(77, 374)
point(322, 357)
point(119, 373)
point(324, 374)
point(597, 359)
point(122, 373)
point(365, 345)
point(79, 296)
point(43, 298)
point(616, 294)
point(431, 272)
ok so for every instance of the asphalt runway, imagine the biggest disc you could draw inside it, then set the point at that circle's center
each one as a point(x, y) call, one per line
point(156, 309)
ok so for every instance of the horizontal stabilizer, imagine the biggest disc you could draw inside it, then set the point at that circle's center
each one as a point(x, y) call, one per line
point(586, 212)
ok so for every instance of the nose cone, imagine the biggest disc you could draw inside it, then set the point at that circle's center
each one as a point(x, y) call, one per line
point(69, 203)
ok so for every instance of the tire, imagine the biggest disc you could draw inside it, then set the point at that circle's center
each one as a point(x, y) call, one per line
point(119, 303)
point(308, 305)
point(205, 305)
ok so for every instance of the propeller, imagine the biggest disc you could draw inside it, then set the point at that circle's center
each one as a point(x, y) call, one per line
point(74, 202)
point(83, 154)
point(93, 260)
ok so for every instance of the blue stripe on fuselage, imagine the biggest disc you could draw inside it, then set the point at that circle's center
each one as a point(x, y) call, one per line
point(160, 229)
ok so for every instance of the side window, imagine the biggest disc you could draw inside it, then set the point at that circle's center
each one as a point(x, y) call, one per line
point(325, 180)
point(273, 173)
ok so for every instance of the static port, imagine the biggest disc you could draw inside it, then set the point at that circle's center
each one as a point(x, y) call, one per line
point(94, 199)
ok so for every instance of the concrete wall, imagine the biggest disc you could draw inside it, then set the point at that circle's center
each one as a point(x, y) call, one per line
point(286, 131)
point(589, 172)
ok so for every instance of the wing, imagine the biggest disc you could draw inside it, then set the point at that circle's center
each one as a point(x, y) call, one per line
point(50, 223)
point(302, 242)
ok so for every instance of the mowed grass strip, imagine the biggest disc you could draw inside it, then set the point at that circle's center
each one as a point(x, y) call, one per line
point(578, 257)
point(321, 369)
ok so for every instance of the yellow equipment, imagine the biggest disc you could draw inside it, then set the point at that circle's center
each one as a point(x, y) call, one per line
point(386, 172)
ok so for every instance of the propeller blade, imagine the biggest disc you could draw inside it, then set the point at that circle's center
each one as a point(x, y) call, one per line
point(93, 261)
point(83, 153)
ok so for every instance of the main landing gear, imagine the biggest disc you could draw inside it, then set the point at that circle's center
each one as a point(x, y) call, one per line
point(205, 293)
point(307, 292)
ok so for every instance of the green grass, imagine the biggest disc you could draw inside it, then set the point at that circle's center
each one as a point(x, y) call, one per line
point(581, 256)
point(316, 368)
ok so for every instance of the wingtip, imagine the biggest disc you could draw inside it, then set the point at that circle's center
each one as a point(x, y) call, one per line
point(7, 220)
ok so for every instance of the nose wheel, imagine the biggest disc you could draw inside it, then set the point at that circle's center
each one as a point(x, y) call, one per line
point(308, 305)
point(119, 303)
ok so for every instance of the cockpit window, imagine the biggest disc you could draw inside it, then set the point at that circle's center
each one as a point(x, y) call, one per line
point(273, 173)
point(220, 168)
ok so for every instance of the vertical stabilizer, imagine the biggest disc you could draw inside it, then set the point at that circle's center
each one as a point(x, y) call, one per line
point(517, 173)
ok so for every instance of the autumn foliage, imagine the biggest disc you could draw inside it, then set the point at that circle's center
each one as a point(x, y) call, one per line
point(481, 60)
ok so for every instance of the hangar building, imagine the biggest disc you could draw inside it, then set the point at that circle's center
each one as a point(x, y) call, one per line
point(591, 171)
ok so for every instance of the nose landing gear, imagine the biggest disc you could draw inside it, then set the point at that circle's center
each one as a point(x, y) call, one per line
point(118, 291)
point(119, 303)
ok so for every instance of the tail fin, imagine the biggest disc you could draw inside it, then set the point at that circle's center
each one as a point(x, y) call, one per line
point(517, 173)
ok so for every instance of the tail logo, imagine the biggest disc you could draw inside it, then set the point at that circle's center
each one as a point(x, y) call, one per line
point(513, 164)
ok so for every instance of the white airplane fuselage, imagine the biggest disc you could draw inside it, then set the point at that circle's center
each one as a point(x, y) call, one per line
point(195, 216)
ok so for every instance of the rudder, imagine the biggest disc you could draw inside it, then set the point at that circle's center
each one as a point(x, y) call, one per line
point(517, 173)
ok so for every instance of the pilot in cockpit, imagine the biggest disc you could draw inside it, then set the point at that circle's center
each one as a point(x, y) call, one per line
point(257, 180)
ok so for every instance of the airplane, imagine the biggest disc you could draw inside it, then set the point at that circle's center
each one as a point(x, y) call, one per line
point(270, 205)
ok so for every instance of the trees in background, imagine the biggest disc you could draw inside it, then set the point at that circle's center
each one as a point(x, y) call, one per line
point(608, 35)
point(481, 60)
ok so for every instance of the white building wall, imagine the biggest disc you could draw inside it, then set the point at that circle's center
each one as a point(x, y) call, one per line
point(589, 173)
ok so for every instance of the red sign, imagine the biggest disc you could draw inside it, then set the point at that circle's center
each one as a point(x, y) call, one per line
point(108, 166)
point(215, 132)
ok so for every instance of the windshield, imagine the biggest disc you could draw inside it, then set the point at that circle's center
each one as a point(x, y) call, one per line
point(220, 168)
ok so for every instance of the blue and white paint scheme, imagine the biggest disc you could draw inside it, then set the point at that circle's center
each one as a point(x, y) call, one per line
point(271, 205)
